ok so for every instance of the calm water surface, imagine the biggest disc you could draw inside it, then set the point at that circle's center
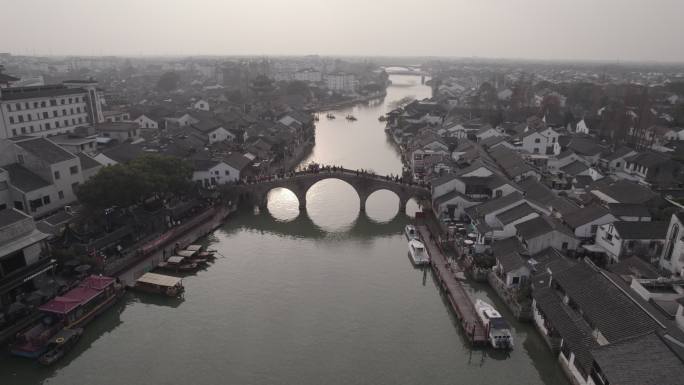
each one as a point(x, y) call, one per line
point(326, 296)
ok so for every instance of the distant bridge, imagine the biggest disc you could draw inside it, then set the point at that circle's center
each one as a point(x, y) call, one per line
point(364, 184)
point(405, 70)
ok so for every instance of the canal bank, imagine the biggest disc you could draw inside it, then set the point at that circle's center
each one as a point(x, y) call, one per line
point(325, 294)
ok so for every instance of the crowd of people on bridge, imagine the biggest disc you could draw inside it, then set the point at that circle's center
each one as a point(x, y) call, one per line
point(315, 168)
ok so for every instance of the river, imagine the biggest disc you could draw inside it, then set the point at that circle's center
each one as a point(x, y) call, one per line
point(326, 296)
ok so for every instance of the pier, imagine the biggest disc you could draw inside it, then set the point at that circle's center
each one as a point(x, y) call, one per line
point(461, 303)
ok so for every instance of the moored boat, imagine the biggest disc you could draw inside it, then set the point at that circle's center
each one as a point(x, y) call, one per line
point(411, 232)
point(418, 252)
point(73, 309)
point(178, 264)
point(330, 116)
point(351, 117)
point(200, 251)
point(160, 284)
point(60, 344)
point(498, 331)
point(32, 342)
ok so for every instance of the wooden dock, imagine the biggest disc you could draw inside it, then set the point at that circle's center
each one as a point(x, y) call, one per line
point(458, 298)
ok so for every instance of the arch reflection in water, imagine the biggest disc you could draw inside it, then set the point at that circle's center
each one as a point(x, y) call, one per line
point(283, 204)
point(303, 226)
point(333, 205)
point(382, 206)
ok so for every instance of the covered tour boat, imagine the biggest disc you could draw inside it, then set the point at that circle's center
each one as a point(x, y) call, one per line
point(73, 309)
point(178, 264)
point(160, 284)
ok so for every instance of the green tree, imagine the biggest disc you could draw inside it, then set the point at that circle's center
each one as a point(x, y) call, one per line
point(124, 185)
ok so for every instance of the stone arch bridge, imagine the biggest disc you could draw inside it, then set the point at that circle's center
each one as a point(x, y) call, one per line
point(363, 183)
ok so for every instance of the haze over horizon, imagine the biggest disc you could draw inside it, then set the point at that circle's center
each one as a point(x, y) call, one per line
point(625, 30)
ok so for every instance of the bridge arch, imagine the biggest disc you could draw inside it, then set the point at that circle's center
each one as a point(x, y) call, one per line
point(363, 184)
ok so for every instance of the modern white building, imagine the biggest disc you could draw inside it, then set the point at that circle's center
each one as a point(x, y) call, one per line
point(49, 110)
point(341, 82)
point(672, 258)
point(145, 121)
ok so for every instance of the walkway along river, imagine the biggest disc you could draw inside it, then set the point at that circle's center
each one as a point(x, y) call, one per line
point(322, 296)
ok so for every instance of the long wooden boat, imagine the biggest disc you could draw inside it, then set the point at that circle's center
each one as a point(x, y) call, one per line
point(160, 284)
point(73, 309)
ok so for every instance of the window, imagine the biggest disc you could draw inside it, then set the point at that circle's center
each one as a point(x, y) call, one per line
point(66, 122)
point(73, 170)
point(631, 244)
point(47, 126)
point(32, 130)
point(78, 110)
point(45, 115)
point(46, 199)
point(57, 124)
point(499, 193)
point(56, 175)
point(55, 114)
point(72, 110)
point(26, 105)
point(53, 102)
point(61, 101)
point(617, 164)
point(64, 112)
point(70, 100)
point(11, 119)
point(564, 246)
point(227, 172)
point(43, 104)
point(594, 228)
point(20, 158)
point(35, 104)
point(515, 280)
point(536, 150)
point(23, 130)
point(60, 193)
point(14, 132)
point(21, 118)
point(537, 140)
point(18, 105)
point(28, 117)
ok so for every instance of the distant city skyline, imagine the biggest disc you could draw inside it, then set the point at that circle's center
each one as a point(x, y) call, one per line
point(580, 30)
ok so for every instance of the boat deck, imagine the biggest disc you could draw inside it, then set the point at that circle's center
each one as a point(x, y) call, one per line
point(461, 303)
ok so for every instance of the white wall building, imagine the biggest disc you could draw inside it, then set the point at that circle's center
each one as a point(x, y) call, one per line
point(49, 110)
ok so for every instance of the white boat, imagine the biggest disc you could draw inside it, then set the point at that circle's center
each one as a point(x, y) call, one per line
point(498, 331)
point(418, 252)
point(411, 232)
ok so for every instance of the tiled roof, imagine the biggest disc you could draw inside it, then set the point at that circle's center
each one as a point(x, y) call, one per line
point(640, 360)
point(574, 168)
point(24, 179)
point(237, 161)
point(45, 150)
point(515, 213)
point(628, 210)
point(603, 304)
point(124, 152)
point(585, 215)
point(510, 261)
point(18, 93)
point(494, 204)
point(540, 226)
point(641, 230)
point(10, 216)
point(87, 162)
point(570, 325)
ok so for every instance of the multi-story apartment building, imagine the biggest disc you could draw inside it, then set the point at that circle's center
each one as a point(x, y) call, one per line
point(38, 176)
point(49, 110)
point(341, 82)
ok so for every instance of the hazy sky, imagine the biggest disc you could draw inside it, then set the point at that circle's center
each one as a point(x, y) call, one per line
point(537, 29)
